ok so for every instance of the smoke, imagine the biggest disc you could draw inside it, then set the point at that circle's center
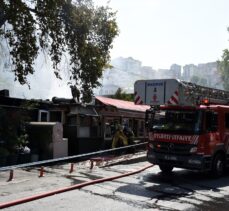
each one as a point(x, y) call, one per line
point(43, 83)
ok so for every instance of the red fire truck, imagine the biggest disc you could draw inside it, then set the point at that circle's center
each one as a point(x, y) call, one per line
point(188, 125)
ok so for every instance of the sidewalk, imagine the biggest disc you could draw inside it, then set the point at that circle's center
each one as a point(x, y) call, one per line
point(27, 182)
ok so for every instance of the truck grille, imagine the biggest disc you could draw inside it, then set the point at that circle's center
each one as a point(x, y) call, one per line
point(172, 148)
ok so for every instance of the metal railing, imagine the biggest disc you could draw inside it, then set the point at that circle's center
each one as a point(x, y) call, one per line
point(50, 161)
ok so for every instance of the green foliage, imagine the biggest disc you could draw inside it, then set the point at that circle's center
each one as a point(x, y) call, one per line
point(80, 29)
point(22, 139)
point(123, 96)
point(12, 129)
point(224, 68)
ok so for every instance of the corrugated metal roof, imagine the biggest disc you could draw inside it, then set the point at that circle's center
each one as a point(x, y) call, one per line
point(122, 104)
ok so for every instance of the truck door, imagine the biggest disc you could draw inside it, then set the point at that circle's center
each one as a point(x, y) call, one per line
point(226, 133)
point(212, 132)
point(211, 121)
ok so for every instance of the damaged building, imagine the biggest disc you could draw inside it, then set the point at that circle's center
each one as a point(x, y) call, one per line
point(61, 127)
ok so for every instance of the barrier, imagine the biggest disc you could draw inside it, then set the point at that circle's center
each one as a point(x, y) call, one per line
point(11, 175)
point(41, 171)
point(71, 168)
point(88, 155)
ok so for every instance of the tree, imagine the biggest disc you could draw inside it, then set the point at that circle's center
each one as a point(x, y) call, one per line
point(76, 28)
point(119, 94)
point(223, 67)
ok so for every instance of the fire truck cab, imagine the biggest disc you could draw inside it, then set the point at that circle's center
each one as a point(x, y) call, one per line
point(188, 125)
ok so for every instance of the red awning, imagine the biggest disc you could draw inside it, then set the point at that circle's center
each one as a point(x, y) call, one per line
point(122, 104)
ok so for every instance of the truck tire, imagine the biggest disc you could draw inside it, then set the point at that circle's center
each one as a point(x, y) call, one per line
point(166, 168)
point(218, 166)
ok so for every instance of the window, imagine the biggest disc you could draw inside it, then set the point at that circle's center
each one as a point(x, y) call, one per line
point(89, 126)
point(125, 122)
point(107, 130)
point(43, 116)
point(141, 128)
point(178, 121)
point(95, 127)
point(84, 126)
point(227, 120)
point(55, 116)
point(135, 128)
point(211, 121)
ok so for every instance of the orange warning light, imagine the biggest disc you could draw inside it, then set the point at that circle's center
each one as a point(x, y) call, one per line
point(206, 101)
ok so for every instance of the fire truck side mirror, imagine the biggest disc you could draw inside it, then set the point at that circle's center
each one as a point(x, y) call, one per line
point(149, 116)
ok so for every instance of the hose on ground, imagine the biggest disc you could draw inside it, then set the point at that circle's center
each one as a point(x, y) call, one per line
point(77, 186)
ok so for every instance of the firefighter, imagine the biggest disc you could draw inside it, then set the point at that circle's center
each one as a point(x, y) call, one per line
point(75, 93)
point(119, 136)
point(129, 134)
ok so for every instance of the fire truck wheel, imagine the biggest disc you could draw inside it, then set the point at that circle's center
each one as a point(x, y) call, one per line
point(218, 166)
point(166, 168)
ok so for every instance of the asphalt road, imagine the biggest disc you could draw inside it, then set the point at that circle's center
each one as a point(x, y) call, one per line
point(148, 190)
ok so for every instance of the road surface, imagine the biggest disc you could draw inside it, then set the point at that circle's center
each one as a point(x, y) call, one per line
point(148, 190)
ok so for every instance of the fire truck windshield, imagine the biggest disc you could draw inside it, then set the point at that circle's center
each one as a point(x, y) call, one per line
point(174, 121)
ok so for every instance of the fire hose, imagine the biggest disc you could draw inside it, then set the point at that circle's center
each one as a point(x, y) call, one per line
point(73, 187)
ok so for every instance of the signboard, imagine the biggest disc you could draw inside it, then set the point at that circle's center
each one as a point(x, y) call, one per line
point(157, 92)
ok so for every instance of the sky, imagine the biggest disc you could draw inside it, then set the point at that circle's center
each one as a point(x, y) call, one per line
point(160, 33)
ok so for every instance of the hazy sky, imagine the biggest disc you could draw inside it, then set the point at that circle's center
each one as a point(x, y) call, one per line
point(162, 32)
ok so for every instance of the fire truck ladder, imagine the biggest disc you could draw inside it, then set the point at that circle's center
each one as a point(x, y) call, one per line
point(215, 96)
